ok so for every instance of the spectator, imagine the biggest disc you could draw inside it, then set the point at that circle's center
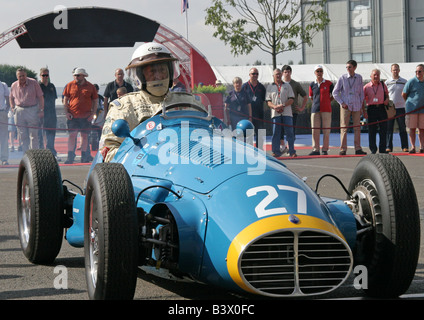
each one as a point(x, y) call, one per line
point(120, 91)
point(218, 83)
point(320, 91)
point(256, 93)
point(50, 118)
point(349, 93)
point(27, 102)
point(298, 91)
point(413, 93)
point(13, 132)
point(110, 91)
point(80, 103)
point(4, 109)
point(376, 98)
point(237, 104)
point(395, 85)
point(279, 97)
point(99, 119)
point(178, 86)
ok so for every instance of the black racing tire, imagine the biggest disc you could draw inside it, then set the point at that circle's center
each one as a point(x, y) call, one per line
point(110, 233)
point(40, 206)
point(388, 204)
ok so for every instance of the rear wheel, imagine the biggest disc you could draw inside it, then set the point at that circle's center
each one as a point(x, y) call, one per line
point(40, 206)
point(389, 234)
point(110, 233)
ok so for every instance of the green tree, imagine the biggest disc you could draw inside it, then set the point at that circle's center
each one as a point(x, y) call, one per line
point(8, 73)
point(274, 26)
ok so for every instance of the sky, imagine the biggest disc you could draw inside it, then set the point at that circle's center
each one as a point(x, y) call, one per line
point(100, 63)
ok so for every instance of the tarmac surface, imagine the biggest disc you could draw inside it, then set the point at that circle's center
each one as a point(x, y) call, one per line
point(21, 280)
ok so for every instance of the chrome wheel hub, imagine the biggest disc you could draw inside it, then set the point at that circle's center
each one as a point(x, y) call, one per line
point(25, 216)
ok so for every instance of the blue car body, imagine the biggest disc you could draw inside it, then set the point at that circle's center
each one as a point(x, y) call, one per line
point(244, 220)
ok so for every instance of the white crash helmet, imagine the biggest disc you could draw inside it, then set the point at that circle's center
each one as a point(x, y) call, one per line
point(151, 53)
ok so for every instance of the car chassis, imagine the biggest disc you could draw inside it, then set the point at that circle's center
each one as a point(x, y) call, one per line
point(199, 215)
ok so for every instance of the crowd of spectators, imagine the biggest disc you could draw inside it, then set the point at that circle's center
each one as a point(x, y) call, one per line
point(28, 110)
point(358, 104)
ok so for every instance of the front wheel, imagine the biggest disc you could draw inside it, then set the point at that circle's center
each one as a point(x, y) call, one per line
point(40, 206)
point(388, 240)
point(110, 233)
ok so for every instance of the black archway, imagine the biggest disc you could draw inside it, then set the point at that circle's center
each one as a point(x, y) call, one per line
point(94, 27)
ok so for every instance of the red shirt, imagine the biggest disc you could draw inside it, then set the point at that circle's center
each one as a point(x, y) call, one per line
point(321, 95)
point(80, 98)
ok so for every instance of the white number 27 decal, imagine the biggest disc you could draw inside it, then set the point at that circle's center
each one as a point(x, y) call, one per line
point(272, 194)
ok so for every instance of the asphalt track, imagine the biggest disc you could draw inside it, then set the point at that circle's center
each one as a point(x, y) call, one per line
point(21, 280)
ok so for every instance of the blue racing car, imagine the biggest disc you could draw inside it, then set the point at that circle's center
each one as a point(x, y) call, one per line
point(187, 196)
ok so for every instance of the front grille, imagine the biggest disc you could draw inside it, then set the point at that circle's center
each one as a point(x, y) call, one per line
point(295, 263)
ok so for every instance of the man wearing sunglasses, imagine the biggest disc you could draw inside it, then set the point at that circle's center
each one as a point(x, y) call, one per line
point(80, 100)
point(413, 93)
point(50, 118)
point(321, 94)
point(256, 92)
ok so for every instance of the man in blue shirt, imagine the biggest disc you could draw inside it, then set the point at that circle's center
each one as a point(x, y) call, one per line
point(413, 93)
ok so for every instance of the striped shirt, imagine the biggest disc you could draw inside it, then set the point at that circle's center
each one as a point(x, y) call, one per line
point(349, 90)
point(395, 87)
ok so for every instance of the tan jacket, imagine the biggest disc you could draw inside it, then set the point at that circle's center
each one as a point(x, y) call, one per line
point(135, 107)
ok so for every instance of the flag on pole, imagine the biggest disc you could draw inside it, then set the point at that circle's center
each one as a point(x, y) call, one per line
point(184, 5)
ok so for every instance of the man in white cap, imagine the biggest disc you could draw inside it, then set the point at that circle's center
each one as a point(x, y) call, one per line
point(320, 91)
point(152, 70)
point(80, 100)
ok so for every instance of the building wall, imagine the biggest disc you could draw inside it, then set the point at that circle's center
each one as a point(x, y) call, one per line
point(370, 31)
point(337, 39)
point(393, 31)
point(415, 27)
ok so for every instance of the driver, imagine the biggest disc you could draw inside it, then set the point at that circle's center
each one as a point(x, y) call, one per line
point(152, 69)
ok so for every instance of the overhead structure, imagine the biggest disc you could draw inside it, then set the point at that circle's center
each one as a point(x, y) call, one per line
point(194, 66)
point(94, 27)
point(12, 34)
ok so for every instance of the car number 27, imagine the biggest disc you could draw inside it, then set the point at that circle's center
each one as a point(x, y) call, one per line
point(270, 193)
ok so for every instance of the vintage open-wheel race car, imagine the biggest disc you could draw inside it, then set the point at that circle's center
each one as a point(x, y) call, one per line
point(186, 195)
